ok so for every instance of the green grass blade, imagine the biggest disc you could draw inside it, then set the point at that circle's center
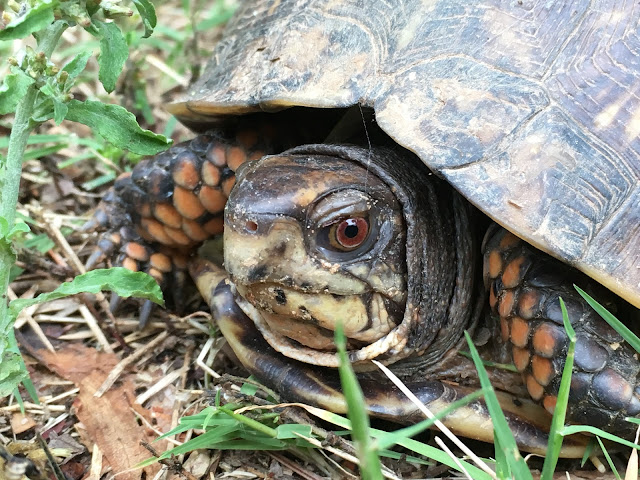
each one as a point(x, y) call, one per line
point(559, 414)
point(370, 466)
point(608, 457)
point(502, 433)
point(619, 327)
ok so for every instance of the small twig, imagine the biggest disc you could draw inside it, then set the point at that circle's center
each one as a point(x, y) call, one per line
point(448, 451)
point(172, 464)
point(92, 323)
point(443, 428)
point(158, 386)
point(294, 466)
point(119, 368)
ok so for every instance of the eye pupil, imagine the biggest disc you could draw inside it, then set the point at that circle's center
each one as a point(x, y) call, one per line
point(351, 231)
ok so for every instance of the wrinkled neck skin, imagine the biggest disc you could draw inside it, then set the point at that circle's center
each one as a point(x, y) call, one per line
point(323, 235)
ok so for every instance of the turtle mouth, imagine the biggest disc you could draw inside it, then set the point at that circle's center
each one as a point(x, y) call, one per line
point(311, 318)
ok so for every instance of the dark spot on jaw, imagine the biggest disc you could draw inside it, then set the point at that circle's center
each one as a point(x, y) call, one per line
point(281, 298)
point(257, 273)
point(337, 297)
point(305, 286)
point(280, 249)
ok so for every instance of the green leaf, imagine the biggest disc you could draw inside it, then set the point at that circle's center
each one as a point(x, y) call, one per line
point(13, 88)
point(60, 110)
point(35, 19)
point(293, 430)
point(77, 65)
point(116, 125)
point(148, 14)
point(113, 53)
point(11, 372)
point(119, 280)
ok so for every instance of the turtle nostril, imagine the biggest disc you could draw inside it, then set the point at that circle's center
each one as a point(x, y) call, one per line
point(251, 226)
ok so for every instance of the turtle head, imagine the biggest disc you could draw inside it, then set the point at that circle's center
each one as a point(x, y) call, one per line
point(312, 241)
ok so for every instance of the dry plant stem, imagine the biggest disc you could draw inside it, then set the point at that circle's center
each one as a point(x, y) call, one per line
point(10, 183)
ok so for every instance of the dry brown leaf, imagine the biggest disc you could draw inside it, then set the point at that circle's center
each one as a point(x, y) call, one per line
point(108, 420)
point(20, 423)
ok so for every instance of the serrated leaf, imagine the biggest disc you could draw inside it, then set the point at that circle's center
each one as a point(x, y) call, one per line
point(148, 13)
point(19, 228)
point(77, 65)
point(60, 110)
point(116, 125)
point(113, 53)
point(13, 88)
point(119, 280)
point(11, 373)
point(35, 19)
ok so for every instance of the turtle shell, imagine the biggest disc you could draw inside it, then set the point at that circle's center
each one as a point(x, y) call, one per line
point(530, 109)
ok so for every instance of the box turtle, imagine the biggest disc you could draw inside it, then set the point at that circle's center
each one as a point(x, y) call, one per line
point(383, 165)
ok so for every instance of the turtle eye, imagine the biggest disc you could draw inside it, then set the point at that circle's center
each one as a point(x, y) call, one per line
point(349, 234)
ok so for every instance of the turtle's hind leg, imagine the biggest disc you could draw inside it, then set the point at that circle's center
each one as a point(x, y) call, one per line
point(524, 290)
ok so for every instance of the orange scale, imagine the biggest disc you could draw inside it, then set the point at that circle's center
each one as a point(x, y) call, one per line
point(509, 240)
point(213, 199)
point(228, 184)
point(507, 300)
point(528, 304)
point(156, 274)
point(156, 231)
point(511, 275)
point(180, 261)
point(542, 370)
point(504, 329)
point(495, 264)
point(115, 238)
point(130, 264)
point(161, 262)
point(549, 403)
point(534, 388)
point(185, 173)
point(194, 230)
point(217, 155)
point(178, 236)
point(210, 174)
point(187, 203)
point(236, 156)
point(214, 226)
point(136, 251)
point(519, 332)
point(521, 357)
point(545, 339)
point(167, 214)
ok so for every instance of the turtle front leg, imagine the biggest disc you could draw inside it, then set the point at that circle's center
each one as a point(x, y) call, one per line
point(524, 290)
point(156, 215)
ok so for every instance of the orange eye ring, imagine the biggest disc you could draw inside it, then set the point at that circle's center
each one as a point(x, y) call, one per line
point(349, 233)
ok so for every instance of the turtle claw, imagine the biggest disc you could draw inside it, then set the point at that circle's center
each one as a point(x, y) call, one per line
point(144, 314)
point(115, 302)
